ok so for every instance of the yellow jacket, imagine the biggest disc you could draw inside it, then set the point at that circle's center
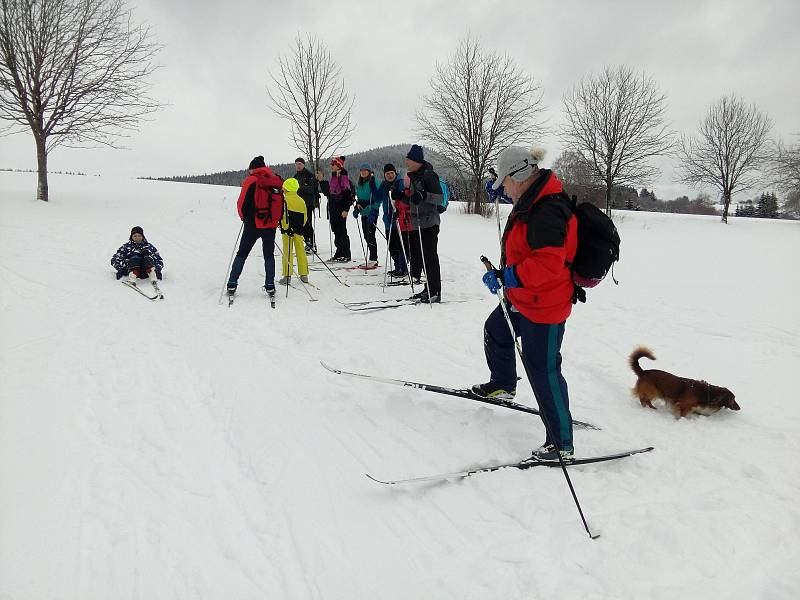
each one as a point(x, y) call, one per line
point(295, 215)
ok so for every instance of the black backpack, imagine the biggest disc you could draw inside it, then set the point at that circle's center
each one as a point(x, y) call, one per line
point(598, 248)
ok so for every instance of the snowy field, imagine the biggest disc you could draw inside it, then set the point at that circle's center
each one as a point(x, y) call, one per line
point(181, 449)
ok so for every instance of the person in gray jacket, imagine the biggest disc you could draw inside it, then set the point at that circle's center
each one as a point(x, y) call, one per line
point(425, 202)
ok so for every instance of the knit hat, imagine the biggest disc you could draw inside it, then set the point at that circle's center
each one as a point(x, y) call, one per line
point(389, 167)
point(291, 185)
point(492, 172)
point(257, 162)
point(300, 159)
point(365, 167)
point(338, 161)
point(517, 162)
point(416, 154)
point(136, 229)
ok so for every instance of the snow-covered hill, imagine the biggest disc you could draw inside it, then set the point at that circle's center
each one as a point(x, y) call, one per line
point(182, 449)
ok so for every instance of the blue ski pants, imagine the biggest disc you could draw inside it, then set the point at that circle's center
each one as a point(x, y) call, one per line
point(541, 347)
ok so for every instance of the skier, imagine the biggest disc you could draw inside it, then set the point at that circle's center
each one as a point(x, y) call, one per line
point(138, 259)
point(539, 242)
point(309, 192)
point(390, 188)
point(367, 206)
point(292, 223)
point(340, 197)
point(499, 193)
point(260, 207)
point(425, 200)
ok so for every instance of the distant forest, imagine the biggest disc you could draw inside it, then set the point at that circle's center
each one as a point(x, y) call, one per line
point(376, 158)
point(623, 197)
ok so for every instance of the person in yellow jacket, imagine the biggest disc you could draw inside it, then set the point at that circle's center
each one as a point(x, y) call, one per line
point(292, 223)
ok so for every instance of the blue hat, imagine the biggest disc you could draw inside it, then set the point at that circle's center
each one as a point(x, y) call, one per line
point(364, 167)
point(416, 154)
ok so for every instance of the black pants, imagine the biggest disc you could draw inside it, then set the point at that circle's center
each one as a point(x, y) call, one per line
point(339, 228)
point(396, 248)
point(140, 265)
point(308, 228)
point(541, 347)
point(428, 259)
point(250, 235)
point(369, 237)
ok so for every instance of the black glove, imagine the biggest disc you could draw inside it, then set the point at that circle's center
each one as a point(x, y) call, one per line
point(417, 197)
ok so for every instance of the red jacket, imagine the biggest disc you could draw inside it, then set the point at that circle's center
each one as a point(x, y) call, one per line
point(403, 208)
point(260, 200)
point(540, 239)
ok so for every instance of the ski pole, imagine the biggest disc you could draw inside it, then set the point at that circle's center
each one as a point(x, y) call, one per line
point(225, 285)
point(406, 255)
point(422, 251)
point(330, 224)
point(501, 299)
point(386, 262)
point(324, 264)
point(361, 239)
point(288, 262)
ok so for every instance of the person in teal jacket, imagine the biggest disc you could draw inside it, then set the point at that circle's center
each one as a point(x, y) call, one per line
point(367, 207)
point(390, 188)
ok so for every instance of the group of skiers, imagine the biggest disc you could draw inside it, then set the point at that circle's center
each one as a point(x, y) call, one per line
point(411, 218)
point(538, 245)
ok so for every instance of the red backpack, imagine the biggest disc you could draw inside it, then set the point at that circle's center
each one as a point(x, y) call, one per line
point(268, 201)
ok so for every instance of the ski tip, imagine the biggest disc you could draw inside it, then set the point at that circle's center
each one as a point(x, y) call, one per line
point(329, 368)
point(378, 480)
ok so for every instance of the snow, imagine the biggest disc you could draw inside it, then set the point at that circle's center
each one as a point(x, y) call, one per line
point(181, 449)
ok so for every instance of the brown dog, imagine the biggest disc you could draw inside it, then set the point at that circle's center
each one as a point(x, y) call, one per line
point(682, 394)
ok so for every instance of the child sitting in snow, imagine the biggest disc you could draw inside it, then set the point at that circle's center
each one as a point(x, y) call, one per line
point(138, 259)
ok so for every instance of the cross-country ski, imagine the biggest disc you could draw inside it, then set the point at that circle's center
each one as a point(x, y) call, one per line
point(525, 464)
point(466, 394)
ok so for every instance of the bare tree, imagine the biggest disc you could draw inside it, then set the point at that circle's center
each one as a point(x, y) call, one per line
point(310, 93)
point(786, 171)
point(730, 150)
point(479, 104)
point(577, 175)
point(617, 121)
point(73, 72)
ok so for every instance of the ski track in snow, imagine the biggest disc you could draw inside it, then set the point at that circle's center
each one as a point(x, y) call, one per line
point(182, 449)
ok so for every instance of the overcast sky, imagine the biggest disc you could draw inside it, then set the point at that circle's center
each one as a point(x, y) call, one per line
point(216, 57)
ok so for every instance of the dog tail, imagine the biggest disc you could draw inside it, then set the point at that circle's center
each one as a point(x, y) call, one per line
point(638, 353)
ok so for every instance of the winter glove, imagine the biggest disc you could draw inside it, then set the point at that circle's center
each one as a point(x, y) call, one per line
point(491, 279)
point(501, 277)
point(355, 212)
point(417, 197)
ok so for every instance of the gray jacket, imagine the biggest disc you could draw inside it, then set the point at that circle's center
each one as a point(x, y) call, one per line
point(425, 213)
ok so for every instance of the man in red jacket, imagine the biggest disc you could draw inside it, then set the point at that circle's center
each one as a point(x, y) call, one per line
point(539, 243)
point(260, 207)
